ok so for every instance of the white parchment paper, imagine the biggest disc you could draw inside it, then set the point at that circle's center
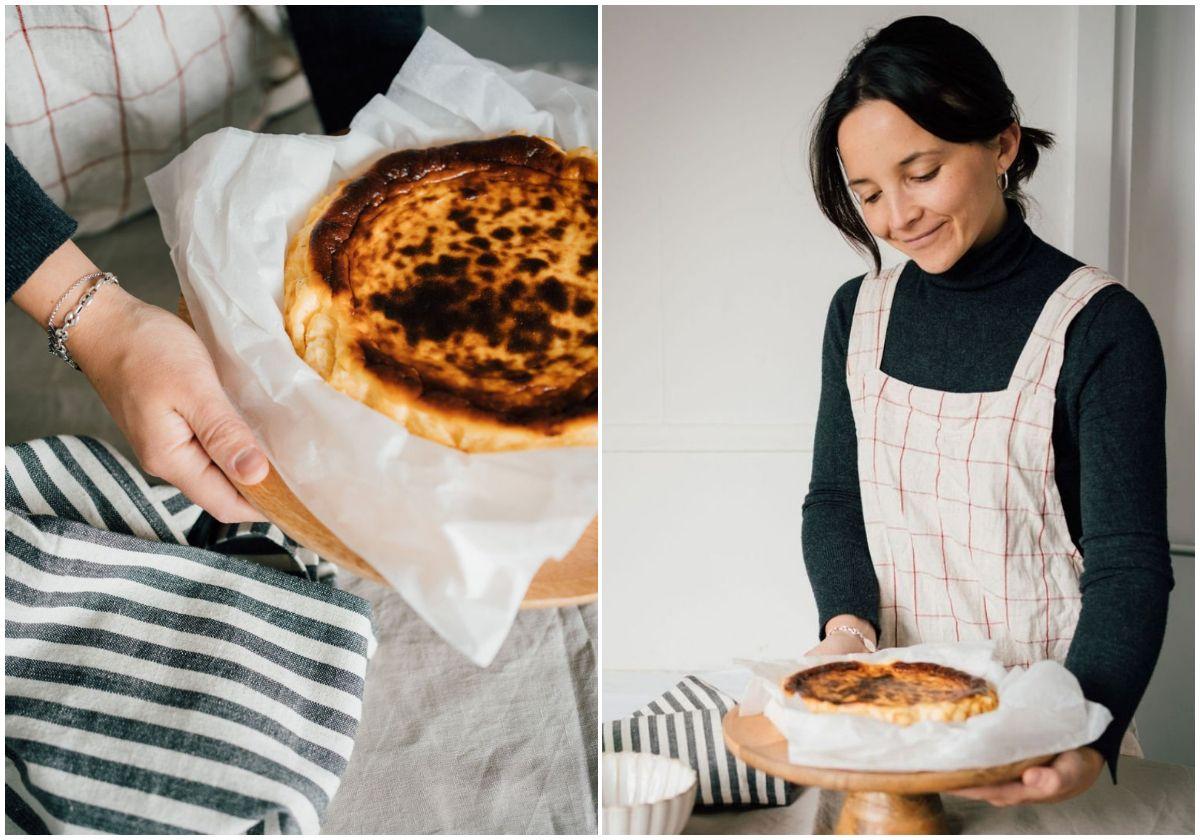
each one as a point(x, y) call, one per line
point(459, 536)
point(1042, 711)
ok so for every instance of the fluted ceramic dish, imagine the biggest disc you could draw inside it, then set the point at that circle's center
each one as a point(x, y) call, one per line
point(646, 794)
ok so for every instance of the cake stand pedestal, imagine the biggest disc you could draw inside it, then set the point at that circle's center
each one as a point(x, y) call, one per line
point(875, 803)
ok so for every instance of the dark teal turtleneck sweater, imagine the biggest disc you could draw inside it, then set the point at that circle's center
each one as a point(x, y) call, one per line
point(962, 331)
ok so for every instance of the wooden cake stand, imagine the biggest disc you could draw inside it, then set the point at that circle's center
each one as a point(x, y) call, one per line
point(875, 803)
point(571, 581)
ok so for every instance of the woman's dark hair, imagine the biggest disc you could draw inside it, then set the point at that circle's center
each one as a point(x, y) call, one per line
point(946, 81)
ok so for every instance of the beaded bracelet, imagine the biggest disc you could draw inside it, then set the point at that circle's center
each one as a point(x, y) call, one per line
point(58, 335)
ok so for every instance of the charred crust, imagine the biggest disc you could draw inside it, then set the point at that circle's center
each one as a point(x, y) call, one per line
point(860, 682)
point(398, 170)
point(510, 313)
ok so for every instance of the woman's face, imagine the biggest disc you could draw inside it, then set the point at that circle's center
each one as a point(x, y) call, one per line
point(930, 199)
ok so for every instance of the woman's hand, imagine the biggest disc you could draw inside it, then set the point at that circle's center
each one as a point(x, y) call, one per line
point(158, 382)
point(841, 643)
point(837, 644)
point(1069, 775)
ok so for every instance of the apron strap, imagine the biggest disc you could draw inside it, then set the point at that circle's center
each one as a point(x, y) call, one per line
point(1041, 359)
point(868, 327)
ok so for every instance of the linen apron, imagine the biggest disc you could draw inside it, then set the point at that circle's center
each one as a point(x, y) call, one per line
point(963, 517)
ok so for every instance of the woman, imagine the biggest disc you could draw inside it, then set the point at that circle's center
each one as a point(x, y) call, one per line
point(989, 459)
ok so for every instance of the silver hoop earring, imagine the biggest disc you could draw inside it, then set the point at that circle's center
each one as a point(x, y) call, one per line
point(1002, 181)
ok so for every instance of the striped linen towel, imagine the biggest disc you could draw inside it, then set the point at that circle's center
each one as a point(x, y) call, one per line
point(153, 684)
point(685, 723)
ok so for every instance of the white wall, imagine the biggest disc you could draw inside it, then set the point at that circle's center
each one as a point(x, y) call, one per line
point(1161, 249)
point(718, 271)
point(1160, 255)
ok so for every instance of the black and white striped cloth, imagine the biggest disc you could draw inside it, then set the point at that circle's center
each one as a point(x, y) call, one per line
point(685, 723)
point(153, 683)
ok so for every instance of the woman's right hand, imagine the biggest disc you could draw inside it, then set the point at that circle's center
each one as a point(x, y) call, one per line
point(158, 381)
point(842, 643)
point(838, 644)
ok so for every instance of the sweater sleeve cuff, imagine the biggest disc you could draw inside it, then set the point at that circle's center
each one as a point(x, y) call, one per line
point(34, 227)
point(866, 610)
point(1109, 746)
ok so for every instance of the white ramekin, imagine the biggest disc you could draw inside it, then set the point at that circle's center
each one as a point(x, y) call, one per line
point(643, 793)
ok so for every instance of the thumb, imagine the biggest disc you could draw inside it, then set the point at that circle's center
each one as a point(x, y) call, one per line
point(224, 435)
point(1048, 780)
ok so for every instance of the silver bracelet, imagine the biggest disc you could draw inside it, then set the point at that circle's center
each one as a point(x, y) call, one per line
point(853, 631)
point(58, 335)
point(74, 286)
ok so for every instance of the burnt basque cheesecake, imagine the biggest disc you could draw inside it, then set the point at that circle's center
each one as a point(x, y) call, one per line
point(901, 693)
point(455, 290)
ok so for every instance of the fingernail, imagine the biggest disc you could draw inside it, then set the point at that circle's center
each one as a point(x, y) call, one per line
point(250, 465)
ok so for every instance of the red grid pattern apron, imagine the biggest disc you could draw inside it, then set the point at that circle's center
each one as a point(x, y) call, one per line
point(98, 97)
point(963, 517)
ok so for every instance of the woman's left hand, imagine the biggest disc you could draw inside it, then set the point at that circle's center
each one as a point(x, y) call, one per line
point(1070, 774)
